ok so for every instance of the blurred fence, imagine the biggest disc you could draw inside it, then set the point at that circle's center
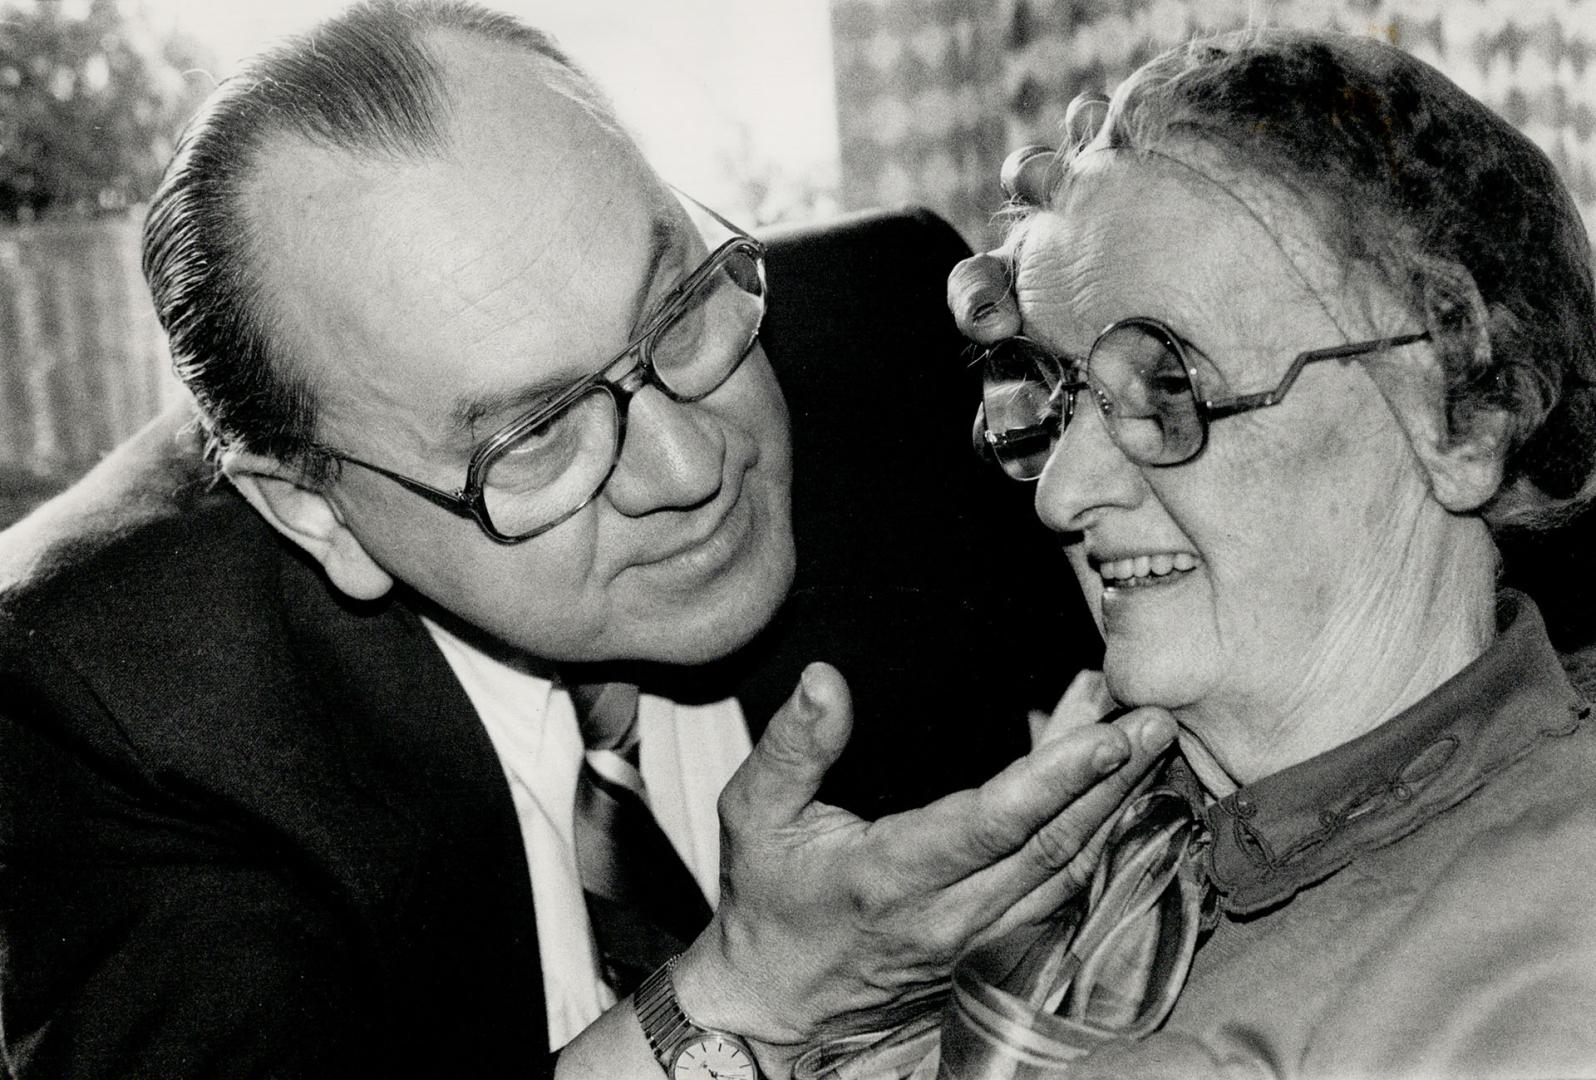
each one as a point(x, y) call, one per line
point(83, 362)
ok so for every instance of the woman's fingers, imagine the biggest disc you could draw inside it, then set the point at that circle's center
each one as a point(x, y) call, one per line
point(1029, 173)
point(980, 289)
point(982, 303)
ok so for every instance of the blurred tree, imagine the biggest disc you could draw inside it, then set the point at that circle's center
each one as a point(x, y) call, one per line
point(92, 97)
point(769, 192)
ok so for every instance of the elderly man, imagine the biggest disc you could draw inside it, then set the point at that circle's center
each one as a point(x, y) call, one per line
point(307, 771)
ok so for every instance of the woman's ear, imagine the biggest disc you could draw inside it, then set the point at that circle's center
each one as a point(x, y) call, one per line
point(304, 514)
point(1466, 466)
point(1463, 451)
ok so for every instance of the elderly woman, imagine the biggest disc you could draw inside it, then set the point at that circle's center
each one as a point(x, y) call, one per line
point(1291, 331)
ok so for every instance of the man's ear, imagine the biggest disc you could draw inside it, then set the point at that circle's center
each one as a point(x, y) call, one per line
point(1464, 464)
point(309, 518)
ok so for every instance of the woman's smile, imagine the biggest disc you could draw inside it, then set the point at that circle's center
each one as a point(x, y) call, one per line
point(1141, 571)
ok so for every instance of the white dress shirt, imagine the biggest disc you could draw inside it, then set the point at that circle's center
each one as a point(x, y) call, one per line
point(687, 755)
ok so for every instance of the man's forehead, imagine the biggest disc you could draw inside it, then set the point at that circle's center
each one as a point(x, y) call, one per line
point(492, 86)
point(524, 244)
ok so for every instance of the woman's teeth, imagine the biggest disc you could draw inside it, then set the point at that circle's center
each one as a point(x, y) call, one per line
point(1139, 568)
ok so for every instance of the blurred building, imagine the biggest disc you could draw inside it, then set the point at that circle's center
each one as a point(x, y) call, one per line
point(921, 104)
point(933, 93)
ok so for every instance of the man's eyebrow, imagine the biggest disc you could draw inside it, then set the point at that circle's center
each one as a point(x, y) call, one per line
point(468, 412)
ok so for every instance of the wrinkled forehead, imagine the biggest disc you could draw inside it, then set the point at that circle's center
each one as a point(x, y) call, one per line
point(519, 254)
point(1198, 196)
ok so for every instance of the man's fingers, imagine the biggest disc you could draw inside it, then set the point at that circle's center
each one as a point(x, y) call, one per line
point(981, 300)
point(802, 741)
point(1036, 722)
point(1058, 844)
point(1086, 701)
point(1042, 901)
point(968, 831)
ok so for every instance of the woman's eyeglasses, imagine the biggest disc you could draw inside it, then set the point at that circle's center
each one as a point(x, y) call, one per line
point(1142, 379)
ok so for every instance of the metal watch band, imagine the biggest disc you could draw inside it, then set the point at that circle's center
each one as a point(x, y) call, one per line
point(664, 1023)
point(669, 1029)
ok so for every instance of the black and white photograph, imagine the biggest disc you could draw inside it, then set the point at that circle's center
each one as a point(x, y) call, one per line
point(797, 540)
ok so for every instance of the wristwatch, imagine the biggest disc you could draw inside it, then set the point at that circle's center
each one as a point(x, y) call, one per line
point(687, 1050)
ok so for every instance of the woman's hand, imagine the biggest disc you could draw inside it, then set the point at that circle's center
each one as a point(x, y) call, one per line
point(981, 297)
point(981, 288)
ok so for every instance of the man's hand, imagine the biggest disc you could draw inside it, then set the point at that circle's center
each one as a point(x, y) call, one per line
point(1086, 701)
point(823, 914)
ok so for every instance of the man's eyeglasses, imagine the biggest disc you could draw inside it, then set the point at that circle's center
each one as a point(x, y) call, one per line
point(545, 466)
point(1145, 386)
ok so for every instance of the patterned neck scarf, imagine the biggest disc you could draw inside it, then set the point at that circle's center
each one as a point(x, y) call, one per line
point(1107, 966)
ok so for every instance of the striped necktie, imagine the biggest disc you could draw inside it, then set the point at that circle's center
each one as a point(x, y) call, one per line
point(642, 901)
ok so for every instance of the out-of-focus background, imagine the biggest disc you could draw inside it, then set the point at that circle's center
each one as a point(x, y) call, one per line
point(771, 111)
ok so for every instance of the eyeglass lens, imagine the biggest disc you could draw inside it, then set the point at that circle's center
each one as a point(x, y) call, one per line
point(1024, 405)
point(712, 331)
point(557, 466)
point(1146, 394)
point(1135, 374)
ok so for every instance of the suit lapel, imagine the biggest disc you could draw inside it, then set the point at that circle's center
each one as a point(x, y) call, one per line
point(461, 917)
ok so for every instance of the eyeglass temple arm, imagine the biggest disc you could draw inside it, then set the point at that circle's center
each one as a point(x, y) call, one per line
point(1247, 402)
point(454, 502)
point(997, 440)
point(737, 229)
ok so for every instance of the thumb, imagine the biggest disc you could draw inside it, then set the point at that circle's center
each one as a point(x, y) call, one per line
point(802, 741)
point(1086, 701)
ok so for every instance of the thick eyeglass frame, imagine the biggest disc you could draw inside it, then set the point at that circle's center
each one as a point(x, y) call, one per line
point(470, 502)
point(1208, 409)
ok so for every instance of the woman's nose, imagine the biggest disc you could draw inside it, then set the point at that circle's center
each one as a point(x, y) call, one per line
point(1086, 474)
point(673, 458)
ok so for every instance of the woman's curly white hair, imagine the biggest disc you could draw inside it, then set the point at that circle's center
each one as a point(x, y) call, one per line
point(1461, 215)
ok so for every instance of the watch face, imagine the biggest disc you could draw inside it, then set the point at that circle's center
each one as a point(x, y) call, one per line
point(713, 1057)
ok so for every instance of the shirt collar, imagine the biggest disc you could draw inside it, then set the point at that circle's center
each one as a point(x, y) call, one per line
point(1298, 826)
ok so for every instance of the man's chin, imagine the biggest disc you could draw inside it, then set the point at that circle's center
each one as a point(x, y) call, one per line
point(710, 630)
point(713, 624)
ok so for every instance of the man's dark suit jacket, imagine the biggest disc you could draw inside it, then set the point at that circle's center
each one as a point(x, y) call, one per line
point(251, 828)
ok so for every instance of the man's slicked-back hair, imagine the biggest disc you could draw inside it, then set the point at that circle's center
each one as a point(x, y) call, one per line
point(363, 82)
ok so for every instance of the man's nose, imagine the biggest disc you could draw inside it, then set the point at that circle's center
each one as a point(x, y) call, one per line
point(673, 459)
point(1086, 474)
